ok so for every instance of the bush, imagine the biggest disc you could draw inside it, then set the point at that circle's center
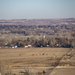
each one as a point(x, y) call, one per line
point(44, 72)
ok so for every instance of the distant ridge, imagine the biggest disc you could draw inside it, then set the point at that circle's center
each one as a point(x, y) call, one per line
point(37, 21)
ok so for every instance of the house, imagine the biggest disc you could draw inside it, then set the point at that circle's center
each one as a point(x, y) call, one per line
point(13, 47)
point(29, 46)
point(26, 46)
point(47, 45)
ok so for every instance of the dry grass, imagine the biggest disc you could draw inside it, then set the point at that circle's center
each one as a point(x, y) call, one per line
point(31, 58)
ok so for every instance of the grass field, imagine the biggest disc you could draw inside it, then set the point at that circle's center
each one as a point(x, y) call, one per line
point(33, 59)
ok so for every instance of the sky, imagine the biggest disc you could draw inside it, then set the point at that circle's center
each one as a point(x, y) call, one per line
point(37, 9)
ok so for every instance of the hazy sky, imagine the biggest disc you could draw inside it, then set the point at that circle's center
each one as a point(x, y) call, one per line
point(33, 9)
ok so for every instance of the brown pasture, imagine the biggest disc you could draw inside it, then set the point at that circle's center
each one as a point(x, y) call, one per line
point(34, 59)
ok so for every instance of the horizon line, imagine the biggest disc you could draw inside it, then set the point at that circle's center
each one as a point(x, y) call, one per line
point(37, 18)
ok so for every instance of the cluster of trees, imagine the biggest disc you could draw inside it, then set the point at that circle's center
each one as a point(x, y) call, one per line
point(54, 42)
point(37, 30)
point(42, 42)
